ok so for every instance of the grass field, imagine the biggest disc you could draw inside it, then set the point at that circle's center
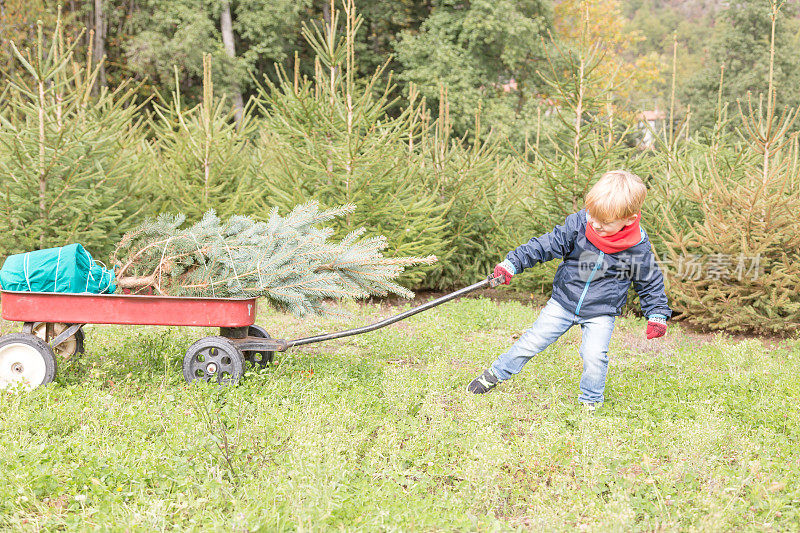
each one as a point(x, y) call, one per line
point(376, 432)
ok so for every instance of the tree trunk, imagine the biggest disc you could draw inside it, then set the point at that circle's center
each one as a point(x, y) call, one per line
point(135, 282)
point(99, 45)
point(376, 45)
point(230, 50)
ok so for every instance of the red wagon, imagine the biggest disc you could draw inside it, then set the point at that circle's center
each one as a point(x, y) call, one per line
point(53, 325)
point(53, 322)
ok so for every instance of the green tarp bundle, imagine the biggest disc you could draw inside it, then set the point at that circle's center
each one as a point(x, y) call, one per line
point(66, 269)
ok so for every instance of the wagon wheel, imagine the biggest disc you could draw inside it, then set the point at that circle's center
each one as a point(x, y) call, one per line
point(258, 359)
point(25, 359)
point(213, 358)
point(71, 346)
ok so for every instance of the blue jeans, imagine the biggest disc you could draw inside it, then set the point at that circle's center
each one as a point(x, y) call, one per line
point(553, 322)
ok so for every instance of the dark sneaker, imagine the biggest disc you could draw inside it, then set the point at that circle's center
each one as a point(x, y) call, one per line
point(483, 383)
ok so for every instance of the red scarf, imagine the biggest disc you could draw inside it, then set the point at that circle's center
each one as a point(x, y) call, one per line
point(622, 240)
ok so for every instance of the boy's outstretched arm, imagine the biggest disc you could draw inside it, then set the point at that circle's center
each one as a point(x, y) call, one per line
point(557, 243)
point(648, 282)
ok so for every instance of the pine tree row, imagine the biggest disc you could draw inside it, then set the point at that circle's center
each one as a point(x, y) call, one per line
point(78, 166)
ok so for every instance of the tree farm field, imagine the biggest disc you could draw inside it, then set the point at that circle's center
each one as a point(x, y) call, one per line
point(377, 432)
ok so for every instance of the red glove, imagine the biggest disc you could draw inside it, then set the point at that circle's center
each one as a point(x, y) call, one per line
point(506, 270)
point(656, 327)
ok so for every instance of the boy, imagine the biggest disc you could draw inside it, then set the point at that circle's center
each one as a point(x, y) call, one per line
point(603, 249)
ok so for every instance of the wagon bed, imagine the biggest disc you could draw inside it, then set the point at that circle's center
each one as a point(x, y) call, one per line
point(127, 309)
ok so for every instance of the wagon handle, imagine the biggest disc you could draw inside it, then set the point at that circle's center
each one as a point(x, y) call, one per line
point(489, 281)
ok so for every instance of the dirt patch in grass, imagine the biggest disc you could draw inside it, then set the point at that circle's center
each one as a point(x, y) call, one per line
point(692, 330)
point(634, 343)
point(479, 338)
point(521, 521)
point(334, 347)
point(464, 364)
point(403, 327)
point(412, 362)
point(448, 404)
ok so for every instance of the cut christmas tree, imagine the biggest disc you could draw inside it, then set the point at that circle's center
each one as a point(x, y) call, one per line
point(288, 260)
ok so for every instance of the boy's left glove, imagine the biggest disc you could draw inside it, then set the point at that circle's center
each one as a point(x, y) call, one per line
point(656, 326)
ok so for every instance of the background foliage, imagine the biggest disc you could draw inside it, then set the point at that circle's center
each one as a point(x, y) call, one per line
point(459, 129)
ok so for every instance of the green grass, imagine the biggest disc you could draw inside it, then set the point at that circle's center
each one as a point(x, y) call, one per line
point(376, 432)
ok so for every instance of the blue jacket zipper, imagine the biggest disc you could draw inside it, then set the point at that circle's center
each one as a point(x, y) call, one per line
point(591, 276)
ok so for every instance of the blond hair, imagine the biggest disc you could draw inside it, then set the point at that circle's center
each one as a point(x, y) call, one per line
point(617, 195)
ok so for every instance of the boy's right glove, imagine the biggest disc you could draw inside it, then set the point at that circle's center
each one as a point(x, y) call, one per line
point(656, 326)
point(506, 270)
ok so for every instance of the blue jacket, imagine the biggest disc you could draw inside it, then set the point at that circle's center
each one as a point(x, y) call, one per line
point(590, 282)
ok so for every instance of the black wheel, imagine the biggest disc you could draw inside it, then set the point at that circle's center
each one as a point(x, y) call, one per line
point(258, 359)
point(213, 358)
point(70, 346)
point(25, 360)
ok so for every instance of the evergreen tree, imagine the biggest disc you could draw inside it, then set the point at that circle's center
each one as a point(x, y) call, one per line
point(590, 135)
point(69, 162)
point(661, 23)
point(332, 139)
point(738, 267)
point(481, 192)
point(384, 23)
point(679, 163)
point(286, 259)
point(18, 22)
point(201, 158)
